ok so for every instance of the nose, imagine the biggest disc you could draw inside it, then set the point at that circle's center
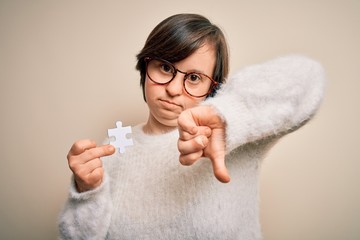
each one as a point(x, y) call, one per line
point(175, 87)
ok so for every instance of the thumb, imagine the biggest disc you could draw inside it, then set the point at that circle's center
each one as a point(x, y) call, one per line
point(216, 152)
point(220, 170)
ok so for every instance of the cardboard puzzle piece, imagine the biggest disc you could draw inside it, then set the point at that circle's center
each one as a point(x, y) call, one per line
point(121, 141)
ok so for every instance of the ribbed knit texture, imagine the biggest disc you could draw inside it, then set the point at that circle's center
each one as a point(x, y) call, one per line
point(148, 194)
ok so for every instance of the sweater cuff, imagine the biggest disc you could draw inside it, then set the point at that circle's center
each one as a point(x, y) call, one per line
point(233, 130)
point(82, 196)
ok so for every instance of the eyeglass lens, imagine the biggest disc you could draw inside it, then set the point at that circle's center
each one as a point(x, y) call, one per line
point(162, 72)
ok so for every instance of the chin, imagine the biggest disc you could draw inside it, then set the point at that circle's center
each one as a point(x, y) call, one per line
point(170, 123)
point(168, 120)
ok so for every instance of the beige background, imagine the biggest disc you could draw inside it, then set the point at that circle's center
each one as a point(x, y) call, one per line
point(67, 72)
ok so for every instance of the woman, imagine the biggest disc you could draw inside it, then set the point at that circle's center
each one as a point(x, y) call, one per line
point(145, 193)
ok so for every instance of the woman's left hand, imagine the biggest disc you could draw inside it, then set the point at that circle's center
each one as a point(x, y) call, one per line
point(202, 134)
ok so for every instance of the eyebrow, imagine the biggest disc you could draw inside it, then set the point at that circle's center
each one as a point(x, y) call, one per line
point(193, 70)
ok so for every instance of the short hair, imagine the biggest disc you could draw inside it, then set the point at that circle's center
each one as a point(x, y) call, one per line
point(180, 35)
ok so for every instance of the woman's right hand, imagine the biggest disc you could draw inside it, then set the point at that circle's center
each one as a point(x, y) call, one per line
point(84, 161)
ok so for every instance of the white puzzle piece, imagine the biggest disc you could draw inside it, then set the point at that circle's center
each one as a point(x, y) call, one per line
point(121, 141)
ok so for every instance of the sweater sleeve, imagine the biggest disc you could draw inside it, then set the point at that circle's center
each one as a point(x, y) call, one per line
point(86, 215)
point(269, 99)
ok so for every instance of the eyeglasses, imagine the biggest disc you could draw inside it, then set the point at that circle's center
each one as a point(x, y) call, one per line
point(163, 72)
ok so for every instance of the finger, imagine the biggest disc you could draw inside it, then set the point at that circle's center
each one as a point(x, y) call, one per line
point(187, 123)
point(220, 170)
point(189, 159)
point(216, 152)
point(193, 145)
point(198, 130)
point(96, 176)
point(90, 166)
point(97, 152)
point(205, 116)
point(91, 181)
point(83, 167)
point(82, 171)
point(81, 146)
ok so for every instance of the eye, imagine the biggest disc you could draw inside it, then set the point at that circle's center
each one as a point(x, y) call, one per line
point(166, 68)
point(194, 78)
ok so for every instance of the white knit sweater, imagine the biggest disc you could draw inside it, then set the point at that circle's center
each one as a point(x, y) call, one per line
point(148, 194)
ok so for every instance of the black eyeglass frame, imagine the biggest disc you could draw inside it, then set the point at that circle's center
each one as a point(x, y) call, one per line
point(212, 86)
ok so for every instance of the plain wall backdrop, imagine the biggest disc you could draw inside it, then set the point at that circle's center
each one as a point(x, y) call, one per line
point(67, 72)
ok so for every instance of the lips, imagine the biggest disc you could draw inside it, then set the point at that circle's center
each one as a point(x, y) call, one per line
point(169, 104)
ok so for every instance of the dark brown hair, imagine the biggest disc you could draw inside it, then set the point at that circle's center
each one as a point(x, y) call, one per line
point(180, 35)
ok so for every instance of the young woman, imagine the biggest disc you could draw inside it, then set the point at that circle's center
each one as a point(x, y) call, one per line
point(145, 193)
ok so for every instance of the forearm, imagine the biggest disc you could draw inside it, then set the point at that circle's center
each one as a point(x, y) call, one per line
point(269, 99)
point(86, 215)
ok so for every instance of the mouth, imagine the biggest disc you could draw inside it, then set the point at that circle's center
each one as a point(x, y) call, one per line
point(170, 104)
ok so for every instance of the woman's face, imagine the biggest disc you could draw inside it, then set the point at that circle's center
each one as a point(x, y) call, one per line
point(167, 101)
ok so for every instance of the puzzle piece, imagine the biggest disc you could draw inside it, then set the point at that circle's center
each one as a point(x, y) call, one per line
point(121, 141)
